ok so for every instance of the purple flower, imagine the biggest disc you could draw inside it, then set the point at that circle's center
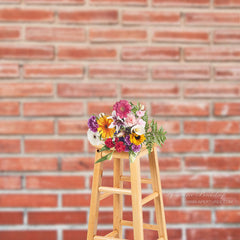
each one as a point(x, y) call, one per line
point(136, 148)
point(126, 148)
point(92, 124)
point(127, 140)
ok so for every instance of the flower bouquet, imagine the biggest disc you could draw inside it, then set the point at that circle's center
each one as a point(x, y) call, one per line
point(126, 130)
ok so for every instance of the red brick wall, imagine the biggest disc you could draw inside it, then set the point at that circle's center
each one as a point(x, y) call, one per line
point(62, 60)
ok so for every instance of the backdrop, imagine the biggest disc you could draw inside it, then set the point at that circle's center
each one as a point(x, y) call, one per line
point(61, 60)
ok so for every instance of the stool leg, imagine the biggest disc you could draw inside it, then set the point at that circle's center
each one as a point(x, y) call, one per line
point(117, 198)
point(136, 199)
point(158, 201)
point(94, 205)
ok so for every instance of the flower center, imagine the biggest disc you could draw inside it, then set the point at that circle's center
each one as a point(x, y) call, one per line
point(94, 136)
point(106, 126)
point(122, 109)
point(137, 137)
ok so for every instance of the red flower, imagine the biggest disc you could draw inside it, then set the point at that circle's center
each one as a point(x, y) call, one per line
point(109, 143)
point(120, 147)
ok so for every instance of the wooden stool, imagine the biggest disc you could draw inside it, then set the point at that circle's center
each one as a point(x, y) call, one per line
point(100, 192)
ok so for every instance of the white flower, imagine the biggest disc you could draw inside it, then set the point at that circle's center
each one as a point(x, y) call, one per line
point(94, 138)
point(138, 129)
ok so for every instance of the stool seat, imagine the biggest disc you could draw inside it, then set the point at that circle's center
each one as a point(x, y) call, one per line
point(100, 192)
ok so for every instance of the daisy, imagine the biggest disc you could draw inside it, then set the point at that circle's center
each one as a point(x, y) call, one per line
point(104, 122)
point(94, 138)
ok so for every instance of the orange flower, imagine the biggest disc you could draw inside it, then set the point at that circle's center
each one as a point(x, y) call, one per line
point(104, 129)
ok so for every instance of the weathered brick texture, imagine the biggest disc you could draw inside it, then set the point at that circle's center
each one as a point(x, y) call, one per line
point(62, 60)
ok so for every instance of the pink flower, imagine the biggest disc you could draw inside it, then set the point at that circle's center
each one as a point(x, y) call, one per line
point(130, 120)
point(122, 108)
point(140, 113)
point(141, 122)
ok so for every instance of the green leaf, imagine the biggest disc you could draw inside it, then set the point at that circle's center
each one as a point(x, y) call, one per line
point(106, 157)
point(104, 148)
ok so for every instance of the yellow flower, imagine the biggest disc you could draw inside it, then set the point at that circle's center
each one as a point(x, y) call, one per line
point(137, 139)
point(103, 128)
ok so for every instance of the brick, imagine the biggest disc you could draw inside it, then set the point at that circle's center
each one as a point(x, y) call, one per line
point(26, 89)
point(86, 90)
point(172, 127)
point(77, 163)
point(28, 200)
point(9, 70)
point(10, 182)
point(227, 216)
point(26, 15)
point(76, 200)
point(68, 126)
point(11, 218)
point(180, 109)
point(185, 181)
point(26, 127)
point(9, 109)
point(212, 163)
point(10, 33)
point(150, 17)
point(151, 53)
point(212, 19)
point(88, 16)
point(10, 1)
point(55, 34)
point(53, 109)
point(98, 107)
point(165, 164)
point(227, 3)
point(119, 2)
point(212, 199)
point(54, 145)
point(180, 72)
point(28, 52)
point(189, 216)
point(60, 217)
point(110, 71)
point(181, 3)
point(227, 109)
point(173, 234)
point(86, 53)
point(211, 90)
point(226, 181)
point(227, 36)
point(227, 145)
point(213, 233)
point(211, 127)
point(180, 36)
point(28, 164)
point(53, 71)
point(28, 235)
point(212, 54)
point(227, 73)
point(10, 146)
point(55, 182)
point(82, 200)
point(65, 2)
point(117, 35)
point(185, 145)
point(153, 90)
